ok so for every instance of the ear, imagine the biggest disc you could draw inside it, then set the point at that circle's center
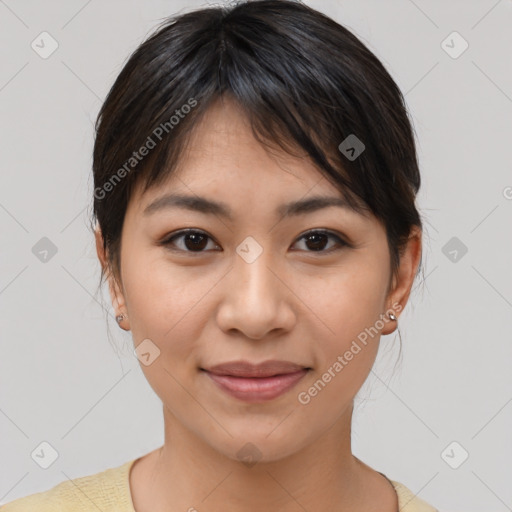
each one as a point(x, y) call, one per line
point(402, 283)
point(116, 293)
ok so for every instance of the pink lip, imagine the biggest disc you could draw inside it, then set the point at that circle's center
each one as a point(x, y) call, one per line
point(242, 368)
point(257, 389)
point(256, 382)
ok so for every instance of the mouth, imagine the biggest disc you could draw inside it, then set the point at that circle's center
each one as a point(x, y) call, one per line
point(256, 382)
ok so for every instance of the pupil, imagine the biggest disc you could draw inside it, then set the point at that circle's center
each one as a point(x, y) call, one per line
point(312, 237)
point(194, 237)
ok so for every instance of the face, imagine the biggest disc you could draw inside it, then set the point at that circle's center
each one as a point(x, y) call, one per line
point(310, 287)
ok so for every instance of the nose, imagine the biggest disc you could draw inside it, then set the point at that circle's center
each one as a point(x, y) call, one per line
point(256, 299)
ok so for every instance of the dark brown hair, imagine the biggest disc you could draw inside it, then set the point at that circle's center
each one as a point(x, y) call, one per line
point(303, 80)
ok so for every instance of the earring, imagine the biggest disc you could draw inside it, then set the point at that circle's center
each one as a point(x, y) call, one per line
point(120, 318)
point(392, 316)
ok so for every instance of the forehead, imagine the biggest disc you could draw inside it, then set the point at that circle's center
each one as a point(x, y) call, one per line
point(223, 144)
point(223, 159)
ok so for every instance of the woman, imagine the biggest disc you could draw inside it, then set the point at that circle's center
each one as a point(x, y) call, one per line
point(255, 180)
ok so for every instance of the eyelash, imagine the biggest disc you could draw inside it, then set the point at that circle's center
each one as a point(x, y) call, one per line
point(168, 241)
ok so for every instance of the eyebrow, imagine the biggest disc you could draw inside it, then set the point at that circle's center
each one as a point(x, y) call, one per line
point(208, 206)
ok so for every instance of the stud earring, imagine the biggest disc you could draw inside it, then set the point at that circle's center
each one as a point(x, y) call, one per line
point(120, 318)
point(392, 316)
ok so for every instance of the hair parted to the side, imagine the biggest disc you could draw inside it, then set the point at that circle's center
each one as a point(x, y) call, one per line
point(305, 83)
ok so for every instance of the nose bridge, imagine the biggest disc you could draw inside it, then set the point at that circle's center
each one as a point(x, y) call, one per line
point(252, 268)
point(254, 301)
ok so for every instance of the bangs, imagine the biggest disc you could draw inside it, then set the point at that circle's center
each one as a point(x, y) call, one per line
point(306, 84)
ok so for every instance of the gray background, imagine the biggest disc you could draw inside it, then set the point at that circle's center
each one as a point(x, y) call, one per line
point(63, 382)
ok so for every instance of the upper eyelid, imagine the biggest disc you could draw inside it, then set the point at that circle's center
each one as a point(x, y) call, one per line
point(183, 232)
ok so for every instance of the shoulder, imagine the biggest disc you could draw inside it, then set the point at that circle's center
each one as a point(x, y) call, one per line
point(106, 491)
point(41, 501)
point(408, 501)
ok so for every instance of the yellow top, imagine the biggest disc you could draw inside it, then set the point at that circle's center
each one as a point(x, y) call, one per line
point(109, 491)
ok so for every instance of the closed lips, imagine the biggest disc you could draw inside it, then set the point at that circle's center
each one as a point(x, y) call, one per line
point(256, 383)
point(250, 370)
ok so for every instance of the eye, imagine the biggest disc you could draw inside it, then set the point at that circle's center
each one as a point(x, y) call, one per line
point(195, 241)
point(316, 241)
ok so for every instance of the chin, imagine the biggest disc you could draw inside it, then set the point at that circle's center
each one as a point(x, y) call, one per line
point(251, 448)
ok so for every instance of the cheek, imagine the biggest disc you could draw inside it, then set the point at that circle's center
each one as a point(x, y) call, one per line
point(346, 350)
point(349, 305)
point(353, 293)
point(166, 304)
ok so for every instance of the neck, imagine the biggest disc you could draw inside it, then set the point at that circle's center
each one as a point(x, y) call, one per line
point(186, 473)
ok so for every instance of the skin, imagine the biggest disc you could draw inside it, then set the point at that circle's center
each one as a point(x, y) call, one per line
point(291, 303)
